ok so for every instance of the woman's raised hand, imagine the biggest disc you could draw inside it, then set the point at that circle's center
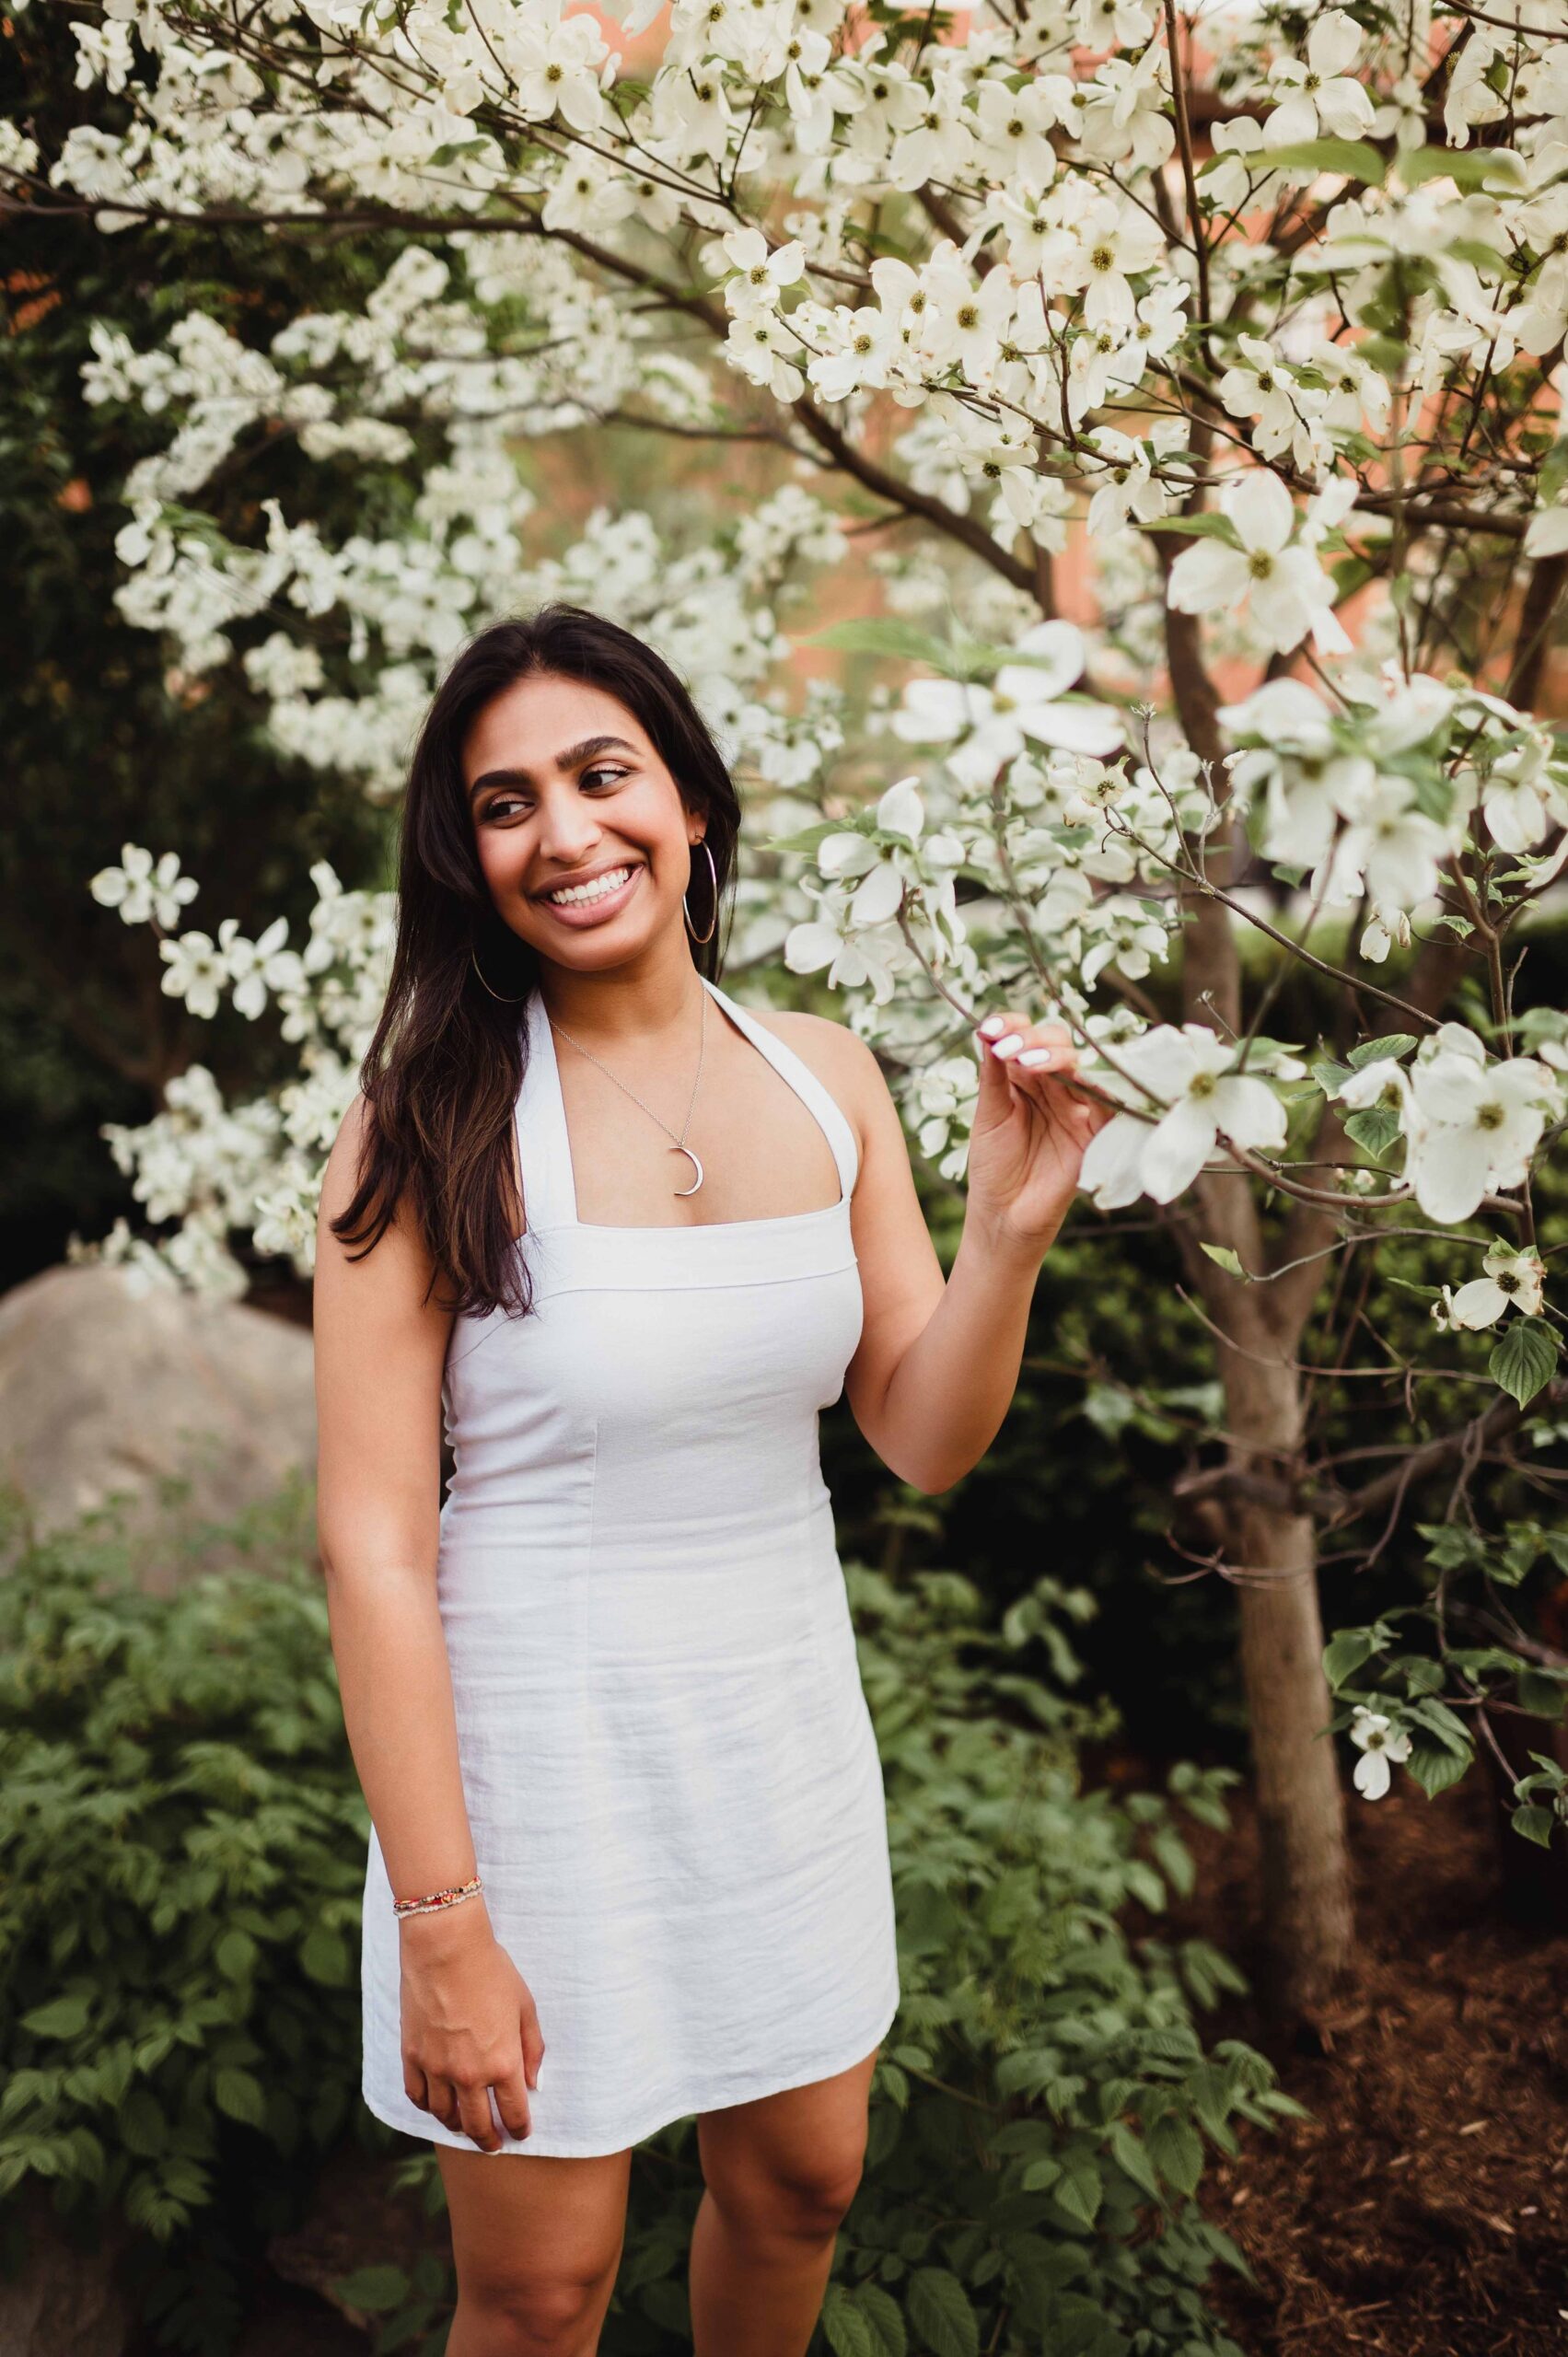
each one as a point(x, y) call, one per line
point(469, 2024)
point(1033, 1122)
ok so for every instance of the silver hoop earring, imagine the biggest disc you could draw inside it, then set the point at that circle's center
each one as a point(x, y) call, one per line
point(505, 1002)
point(686, 905)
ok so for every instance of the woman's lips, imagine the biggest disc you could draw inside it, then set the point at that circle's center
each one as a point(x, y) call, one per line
point(578, 914)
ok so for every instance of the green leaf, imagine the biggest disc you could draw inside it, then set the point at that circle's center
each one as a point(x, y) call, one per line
point(808, 838)
point(884, 635)
point(1080, 2187)
point(940, 2312)
point(235, 1954)
point(1345, 1654)
point(1175, 1860)
point(60, 2018)
point(1548, 483)
point(1079, 2326)
point(144, 2125)
point(1176, 2151)
point(1356, 159)
point(1374, 1131)
point(884, 2317)
point(1228, 1261)
point(1535, 1824)
point(1524, 1359)
point(844, 2327)
point(324, 1955)
point(1467, 167)
point(1127, 2151)
point(1203, 528)
point(372, 2288)
point(1480, 256)
point(863, 2320)
point(1040, 2175)
point(1541, 1694)
point(1388, 1043)
point(1351, 574)
point(239, 2095)
point(1440, 1720)
point(1434, 1767)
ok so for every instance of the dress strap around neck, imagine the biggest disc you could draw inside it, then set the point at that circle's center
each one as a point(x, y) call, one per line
point(819, 1099)
point(544, 1146)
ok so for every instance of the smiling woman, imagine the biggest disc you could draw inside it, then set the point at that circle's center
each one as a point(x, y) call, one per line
point(630, 1852)
point(548, 761)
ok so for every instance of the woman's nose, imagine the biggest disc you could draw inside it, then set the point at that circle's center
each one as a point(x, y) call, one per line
point(568, 832)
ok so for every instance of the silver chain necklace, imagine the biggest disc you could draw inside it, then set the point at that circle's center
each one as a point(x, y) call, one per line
point(679, 1146)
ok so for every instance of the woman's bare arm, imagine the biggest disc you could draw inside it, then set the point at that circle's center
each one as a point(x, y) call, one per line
point(938, 1364)
point(379, 1353)
point(469, 2020)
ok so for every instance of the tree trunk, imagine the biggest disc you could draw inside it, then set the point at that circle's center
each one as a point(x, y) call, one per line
point(1307, 1923)
point(1308, 1920)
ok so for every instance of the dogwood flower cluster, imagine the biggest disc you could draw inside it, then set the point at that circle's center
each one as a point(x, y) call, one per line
point(1066, 856)
point(255, 1167)
point(1371, 794)
point(1241, 328)
point(401, 605)
point(1469, 1121)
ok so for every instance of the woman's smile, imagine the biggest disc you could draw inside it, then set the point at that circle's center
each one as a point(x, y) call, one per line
point(598, 899)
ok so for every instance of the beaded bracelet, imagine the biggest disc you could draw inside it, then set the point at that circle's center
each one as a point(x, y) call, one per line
point(437, 1900)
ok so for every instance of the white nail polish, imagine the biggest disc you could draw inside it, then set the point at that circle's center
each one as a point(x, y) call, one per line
point(1009, 1046)
point(992, 1025)
point(1033, 1056)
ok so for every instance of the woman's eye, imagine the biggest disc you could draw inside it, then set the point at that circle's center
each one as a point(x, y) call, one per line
point(505, 804)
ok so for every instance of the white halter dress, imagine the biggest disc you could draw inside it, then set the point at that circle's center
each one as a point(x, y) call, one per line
point(671, 1774)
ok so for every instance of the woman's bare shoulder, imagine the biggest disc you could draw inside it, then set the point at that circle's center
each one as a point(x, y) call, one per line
point(838, 1057)
point(820, 1038)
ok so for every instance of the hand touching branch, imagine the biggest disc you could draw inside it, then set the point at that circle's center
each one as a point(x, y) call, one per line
point(1033, 1121)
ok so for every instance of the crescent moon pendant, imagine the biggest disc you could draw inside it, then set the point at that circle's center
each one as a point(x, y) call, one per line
point(696, 1166)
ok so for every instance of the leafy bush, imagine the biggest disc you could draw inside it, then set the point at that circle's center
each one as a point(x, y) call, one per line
point(181, 1852)
point(181, 1847)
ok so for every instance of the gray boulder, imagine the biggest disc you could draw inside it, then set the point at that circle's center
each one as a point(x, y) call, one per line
point(105, 1391)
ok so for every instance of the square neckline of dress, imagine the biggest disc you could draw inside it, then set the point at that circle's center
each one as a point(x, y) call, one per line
point(543, 1032)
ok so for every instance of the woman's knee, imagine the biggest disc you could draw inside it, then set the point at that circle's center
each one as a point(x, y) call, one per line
point(799, 2201)
point(533, 2315)
point(537, 2241)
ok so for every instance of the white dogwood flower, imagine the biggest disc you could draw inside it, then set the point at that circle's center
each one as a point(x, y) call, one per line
point(1187, 1070)
point(854, 952)
point(990, 726)
point(141, 888)
point(762, 273)
point(1284, 589)
point(195, 969)
point(1378, 1741)
point(1321, 96)
point(1515, 1279)
point(1478, 1120)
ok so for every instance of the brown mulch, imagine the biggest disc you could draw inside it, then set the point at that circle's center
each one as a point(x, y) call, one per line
point(1422, 2211)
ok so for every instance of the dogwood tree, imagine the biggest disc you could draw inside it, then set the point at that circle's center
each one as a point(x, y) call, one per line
point(1235, 333)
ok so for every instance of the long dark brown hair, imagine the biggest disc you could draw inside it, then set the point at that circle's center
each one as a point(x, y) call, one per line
point(441, 1075)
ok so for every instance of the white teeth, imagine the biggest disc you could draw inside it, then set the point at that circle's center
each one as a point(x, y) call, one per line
point(576, 893)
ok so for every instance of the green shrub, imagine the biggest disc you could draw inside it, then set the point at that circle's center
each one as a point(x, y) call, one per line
point(181, 1853)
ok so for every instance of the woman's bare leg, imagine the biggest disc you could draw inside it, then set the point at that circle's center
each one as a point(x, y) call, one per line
point(536, 2243)
point(780, 2175)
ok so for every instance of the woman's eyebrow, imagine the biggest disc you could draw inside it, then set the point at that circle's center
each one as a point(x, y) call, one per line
point(572, 757)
